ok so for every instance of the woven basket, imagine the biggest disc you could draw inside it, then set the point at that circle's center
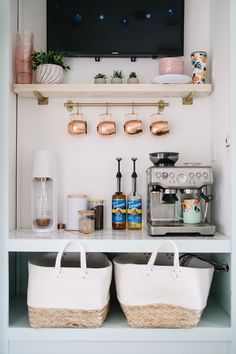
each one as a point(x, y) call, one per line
point(159, 292)
point(161, 316)
point(69, 290)
point(64, 318)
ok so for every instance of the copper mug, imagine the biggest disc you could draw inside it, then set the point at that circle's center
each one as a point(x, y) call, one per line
point(107, 127)
point(159, 127)
point(133, 126)
point(77, 125)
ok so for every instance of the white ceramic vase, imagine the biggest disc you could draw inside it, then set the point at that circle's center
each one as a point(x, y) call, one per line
point(132, 80)
point(49, 74)
point(116, 80)
point(99, 81)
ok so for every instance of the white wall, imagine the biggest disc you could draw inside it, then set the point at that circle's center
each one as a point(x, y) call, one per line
point(220, 111)
point(87, 165)
point(12, 120)
point(233, 156)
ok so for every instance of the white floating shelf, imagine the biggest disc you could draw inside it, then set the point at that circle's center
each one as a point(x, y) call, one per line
point(25, 240)
point(215, 323)
point(113, 90)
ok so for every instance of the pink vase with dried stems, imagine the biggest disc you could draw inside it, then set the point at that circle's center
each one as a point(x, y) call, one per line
point(24, 50)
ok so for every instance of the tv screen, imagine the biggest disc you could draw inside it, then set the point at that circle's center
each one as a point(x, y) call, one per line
point(107, 28)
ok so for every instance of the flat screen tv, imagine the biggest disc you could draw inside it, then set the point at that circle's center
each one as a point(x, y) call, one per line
point(108, 28)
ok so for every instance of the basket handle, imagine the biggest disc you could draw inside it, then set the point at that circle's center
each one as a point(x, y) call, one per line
point(176, 267)
point(83, 263)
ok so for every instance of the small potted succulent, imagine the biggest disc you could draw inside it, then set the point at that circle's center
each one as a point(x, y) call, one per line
point(133, 78)
point(117, 77)
point(49, 67)
point(100, 78)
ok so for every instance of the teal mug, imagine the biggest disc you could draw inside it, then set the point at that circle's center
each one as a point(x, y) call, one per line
point(191, 211)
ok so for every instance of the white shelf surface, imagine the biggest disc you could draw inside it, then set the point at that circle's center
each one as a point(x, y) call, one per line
point(214, 325)
point(113, 90)
point(25, 240)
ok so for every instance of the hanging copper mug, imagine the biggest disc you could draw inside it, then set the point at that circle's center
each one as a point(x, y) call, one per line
point(158, 127)
point(77, 125)
point(133, 125)
point(106, 127)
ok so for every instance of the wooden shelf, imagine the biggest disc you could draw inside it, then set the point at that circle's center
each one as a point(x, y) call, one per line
point(215, 323)
point(25, 240)
point(113, 90)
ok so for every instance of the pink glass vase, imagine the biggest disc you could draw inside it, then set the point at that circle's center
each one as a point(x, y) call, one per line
point(24, 50)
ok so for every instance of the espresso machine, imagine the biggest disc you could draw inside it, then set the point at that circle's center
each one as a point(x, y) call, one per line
point(168, 186)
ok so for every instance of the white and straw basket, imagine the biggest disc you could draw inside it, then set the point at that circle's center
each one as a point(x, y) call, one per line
point(62, 294)
point(162, 293)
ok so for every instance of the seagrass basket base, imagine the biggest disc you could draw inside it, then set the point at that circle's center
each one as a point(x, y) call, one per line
point(161, 316)
point(66, 318)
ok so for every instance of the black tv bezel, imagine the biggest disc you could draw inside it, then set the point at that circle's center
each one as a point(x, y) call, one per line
point(79, 54)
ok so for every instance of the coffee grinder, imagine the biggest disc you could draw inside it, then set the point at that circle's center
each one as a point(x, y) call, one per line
point(168, 186)
point(44, 192)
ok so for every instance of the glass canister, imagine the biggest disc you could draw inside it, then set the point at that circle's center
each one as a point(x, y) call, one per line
point(86, 221)
point(98, 206)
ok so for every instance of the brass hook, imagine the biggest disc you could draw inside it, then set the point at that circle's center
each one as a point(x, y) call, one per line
point(161, 106)
point(69, 105)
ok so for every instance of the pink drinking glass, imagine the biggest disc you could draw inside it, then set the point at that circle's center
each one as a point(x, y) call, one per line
point(24, 50)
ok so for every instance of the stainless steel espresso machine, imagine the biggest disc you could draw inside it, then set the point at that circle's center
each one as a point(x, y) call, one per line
point(168, 186)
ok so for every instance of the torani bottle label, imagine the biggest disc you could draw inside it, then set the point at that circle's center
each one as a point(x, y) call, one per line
point(118, 211)
point(134, 211)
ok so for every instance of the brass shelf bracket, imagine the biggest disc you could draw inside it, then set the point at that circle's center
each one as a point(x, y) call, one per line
point(41, 99)
point(160, 104)
point(188, 100)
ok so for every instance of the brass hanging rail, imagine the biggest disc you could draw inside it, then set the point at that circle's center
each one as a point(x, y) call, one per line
point(160, 104)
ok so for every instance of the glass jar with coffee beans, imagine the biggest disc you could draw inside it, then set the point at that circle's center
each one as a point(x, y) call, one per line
point(98, 206)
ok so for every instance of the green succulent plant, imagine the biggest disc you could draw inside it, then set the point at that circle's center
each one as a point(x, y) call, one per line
point(100, 76)
point(50, 57)
point(133, 75)
point(118, 74)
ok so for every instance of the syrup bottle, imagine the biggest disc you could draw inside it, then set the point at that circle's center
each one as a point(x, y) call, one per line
point(118, 204)
point(134, 203)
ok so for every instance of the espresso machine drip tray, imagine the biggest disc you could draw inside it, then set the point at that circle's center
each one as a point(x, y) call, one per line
point(176, 229)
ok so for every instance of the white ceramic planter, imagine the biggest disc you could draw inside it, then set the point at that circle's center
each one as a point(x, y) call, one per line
point(116, 80)
point(132, 80)
point(49, 74)
point(100, 81)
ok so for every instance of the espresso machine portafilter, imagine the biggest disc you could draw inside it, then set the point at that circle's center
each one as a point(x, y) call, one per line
point(168, 186)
